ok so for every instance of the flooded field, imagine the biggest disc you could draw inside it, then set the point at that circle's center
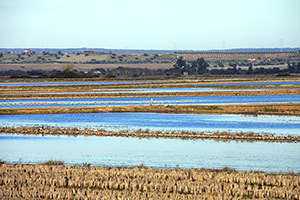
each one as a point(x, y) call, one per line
point(134, 82)
point(147, 90)
point(206, 100)
point(162, 153)
point(153, 152)
point(277, 125)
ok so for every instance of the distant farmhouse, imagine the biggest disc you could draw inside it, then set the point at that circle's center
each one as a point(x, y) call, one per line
point(89, 51)
point(3, 52)
point(27, 51)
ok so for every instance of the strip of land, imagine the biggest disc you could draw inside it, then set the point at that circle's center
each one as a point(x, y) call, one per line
point(289, 109)
point(23, 181)
point(218, 136)
point(162, 94)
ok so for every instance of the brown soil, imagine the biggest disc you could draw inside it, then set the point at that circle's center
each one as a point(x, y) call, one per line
point(76, 182)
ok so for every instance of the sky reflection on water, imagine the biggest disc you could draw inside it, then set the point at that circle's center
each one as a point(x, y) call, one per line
point(164, 153)
point(198, 100)
point(277, 125)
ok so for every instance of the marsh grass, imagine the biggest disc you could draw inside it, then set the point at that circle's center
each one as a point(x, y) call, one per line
point(52, 162)
point(247, 109)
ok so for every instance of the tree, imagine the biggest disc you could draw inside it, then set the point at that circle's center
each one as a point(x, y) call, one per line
point(250, 70)
point(202, 66)
point(180, 63)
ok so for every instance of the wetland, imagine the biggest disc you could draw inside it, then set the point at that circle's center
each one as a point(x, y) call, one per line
point(229, 136)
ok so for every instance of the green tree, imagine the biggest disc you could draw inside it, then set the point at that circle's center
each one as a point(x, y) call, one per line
point(180, 63)
point(202, 66)
point(250, 70)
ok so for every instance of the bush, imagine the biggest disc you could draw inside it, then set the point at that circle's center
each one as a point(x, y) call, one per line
point(21, 76)
point(110, 76)
point(284, 74)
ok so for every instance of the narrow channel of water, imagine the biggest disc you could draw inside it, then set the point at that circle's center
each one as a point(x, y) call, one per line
point(149, 90)
point(277, 125)
point(130, 82)
point(198, 100)
point(163, 153)
point(74, 83)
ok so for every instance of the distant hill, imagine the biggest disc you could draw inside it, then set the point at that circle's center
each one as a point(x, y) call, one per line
point(150, 51)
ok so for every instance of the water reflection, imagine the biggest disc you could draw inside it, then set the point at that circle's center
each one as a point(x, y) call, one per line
point(164, 153)
point(132, 82)
point(74, 83)
point(277, 125)
point(205, 100)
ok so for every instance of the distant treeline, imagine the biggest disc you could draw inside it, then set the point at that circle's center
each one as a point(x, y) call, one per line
point(198, 67)
point(71, 50)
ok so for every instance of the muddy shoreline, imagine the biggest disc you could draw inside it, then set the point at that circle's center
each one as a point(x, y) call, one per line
point(23, 181)
point(218, 136)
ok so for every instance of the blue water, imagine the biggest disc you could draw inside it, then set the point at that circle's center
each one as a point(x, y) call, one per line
point(150, 90)
point(128, 82)
point(163, 153)
point(73, 83)
point(277, 125)
point(201, 100)
point(253, 83)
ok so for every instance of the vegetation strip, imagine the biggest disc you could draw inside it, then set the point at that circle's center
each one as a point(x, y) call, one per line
point(219, 136)
point(161, 94)
point(23, 181)
point(292, 109)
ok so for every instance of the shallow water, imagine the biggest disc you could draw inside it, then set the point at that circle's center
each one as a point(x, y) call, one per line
point(254, 83)
point(150, 90)
point(277, 125)
point(129, 82)
point(163, 153)
point(73, 83)
point(199, 100)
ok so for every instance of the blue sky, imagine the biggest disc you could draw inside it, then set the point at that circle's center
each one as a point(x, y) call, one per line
point(155, 24)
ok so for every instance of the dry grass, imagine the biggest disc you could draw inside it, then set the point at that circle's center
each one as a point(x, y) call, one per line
point(52, 162)
point(80, 182)
point(218, 136)
point(247, 109)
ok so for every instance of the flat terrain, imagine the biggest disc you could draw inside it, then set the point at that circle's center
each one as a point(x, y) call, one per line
point(247, 109)
point(75, 182)
point(53, 180)
point(81, 67)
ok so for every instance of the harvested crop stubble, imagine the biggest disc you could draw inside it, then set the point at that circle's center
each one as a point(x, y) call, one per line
point(75, 182)
point(219, 136)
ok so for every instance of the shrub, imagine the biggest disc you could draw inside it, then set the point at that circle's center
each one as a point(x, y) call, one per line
point(52, 162)
point(110, 76)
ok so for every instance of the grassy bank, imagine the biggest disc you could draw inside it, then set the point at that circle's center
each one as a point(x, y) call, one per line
point(20, 181)
point(292, 109)
point(218, 136)
point(161, 94)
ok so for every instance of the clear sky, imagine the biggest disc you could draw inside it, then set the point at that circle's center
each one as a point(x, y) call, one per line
point(155, 24)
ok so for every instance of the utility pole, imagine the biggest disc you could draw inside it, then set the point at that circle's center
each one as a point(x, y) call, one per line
point(224, 46)
point(281, 43)
point(175, 50)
